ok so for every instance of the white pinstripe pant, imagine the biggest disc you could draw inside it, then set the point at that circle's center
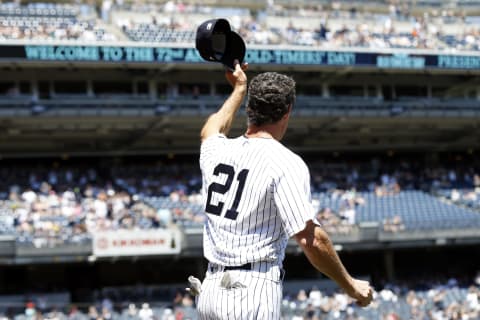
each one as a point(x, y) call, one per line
point(257, 295)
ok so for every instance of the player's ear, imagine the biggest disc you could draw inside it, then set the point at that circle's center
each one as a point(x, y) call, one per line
point(287, 115)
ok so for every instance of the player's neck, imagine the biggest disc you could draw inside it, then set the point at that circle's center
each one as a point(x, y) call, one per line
point(265, 131)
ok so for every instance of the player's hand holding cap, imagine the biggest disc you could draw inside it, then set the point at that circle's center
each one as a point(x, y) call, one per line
point(215, 41)
point(195, 286)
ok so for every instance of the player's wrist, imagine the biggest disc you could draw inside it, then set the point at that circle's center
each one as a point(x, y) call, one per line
point(240, 88)
point(349, 288)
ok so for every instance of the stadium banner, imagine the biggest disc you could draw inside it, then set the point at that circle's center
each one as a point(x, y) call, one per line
point(129, 54)
point(136, 242)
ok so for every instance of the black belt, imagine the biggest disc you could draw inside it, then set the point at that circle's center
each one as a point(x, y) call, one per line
point(246, 266)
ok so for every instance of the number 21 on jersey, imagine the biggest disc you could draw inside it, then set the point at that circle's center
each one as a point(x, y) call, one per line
point(232, 212)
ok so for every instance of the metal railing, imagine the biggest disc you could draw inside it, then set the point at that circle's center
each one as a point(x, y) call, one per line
point(305, 105)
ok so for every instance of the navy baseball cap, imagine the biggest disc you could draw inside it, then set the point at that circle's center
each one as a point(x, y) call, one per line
point(215, 41)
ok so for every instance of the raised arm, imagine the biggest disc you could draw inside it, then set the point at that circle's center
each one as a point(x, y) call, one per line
point(221, 121)
point(318, 248)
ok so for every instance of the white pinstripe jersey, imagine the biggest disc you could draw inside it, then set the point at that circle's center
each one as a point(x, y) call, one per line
point(256, 194)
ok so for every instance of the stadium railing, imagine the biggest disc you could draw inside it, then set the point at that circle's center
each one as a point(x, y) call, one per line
point(305, 106)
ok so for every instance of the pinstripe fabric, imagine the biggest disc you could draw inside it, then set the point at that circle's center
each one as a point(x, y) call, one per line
point(267, 187)
point(259, 298)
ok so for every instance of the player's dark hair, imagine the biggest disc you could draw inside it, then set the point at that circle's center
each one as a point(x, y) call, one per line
point(270, 94)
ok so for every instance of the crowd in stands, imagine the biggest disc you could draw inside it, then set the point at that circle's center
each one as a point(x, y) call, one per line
point(421, 299)
point(322, 25)
point(424, 301)
point(174, 180)
point(342, 220)
point(468, 197)
point(50, 21)
point(327, 27)
point(389, 176)
point(46, 205)
point(50, 206)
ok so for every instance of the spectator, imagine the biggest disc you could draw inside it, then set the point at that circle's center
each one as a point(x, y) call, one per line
point(92, 313)
point(132, 311)
point(145, 313)
point(394, 225)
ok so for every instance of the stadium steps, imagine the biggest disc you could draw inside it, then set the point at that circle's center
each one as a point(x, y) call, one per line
point(111, 29)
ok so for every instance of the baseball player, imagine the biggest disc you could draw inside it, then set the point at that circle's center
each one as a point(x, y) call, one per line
point(257, 196)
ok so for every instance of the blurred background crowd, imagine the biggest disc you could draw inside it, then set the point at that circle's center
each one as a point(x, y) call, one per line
point(52, 204)
point(420, 298)
point(322, 25)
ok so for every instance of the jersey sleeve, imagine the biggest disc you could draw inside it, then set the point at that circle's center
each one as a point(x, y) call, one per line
point(210, 148)
point(293, 197)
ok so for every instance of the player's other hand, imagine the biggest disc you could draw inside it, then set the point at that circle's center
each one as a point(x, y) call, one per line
point(237, 78)
point(195, 286)
point(362, 292)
